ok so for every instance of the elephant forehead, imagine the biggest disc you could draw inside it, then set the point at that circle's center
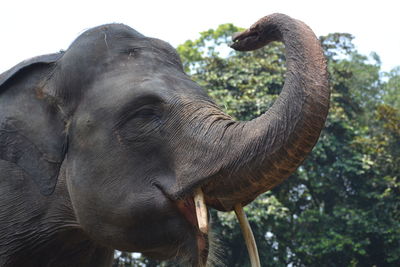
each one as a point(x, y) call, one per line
point(114, 90)
point(104, 50)
point(117, 90)
point(102, 44)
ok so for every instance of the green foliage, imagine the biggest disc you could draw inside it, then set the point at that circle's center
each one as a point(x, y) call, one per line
point(391, 90)
point(342, 206)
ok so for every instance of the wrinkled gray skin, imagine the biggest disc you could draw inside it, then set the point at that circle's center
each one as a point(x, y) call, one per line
point(101, 146)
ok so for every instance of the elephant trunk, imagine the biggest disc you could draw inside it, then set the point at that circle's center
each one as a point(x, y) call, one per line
point(260, 154)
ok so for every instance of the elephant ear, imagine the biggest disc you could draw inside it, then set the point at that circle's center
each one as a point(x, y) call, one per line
point(45, 59)
point(32, 128)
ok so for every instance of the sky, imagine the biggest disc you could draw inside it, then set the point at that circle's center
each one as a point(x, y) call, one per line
point(35, 27)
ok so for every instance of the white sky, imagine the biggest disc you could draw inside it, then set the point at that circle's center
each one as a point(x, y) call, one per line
point(34, 27)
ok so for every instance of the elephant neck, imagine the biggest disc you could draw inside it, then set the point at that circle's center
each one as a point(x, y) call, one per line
point(62, 248)
point(42, 230)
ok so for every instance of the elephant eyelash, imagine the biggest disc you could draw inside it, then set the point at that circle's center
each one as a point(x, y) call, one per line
point(145, 113)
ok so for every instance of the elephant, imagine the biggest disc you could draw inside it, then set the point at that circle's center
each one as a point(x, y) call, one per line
point(104, 146)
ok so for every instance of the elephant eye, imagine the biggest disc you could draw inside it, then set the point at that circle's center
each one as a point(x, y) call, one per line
point(141, 112)
point(146, 112)
point(140, 125)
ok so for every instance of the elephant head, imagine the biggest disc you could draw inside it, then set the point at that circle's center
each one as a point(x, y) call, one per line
point(131, 138)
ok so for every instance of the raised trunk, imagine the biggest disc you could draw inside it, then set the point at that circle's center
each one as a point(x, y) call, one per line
point(261, 153)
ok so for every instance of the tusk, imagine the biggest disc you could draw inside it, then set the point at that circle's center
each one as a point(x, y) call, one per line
point(201, 211)
point(248, 236)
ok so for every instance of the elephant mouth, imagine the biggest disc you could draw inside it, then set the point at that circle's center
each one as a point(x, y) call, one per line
point(194, 210)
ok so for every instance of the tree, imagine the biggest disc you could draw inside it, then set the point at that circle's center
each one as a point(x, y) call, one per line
point(391, 90)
